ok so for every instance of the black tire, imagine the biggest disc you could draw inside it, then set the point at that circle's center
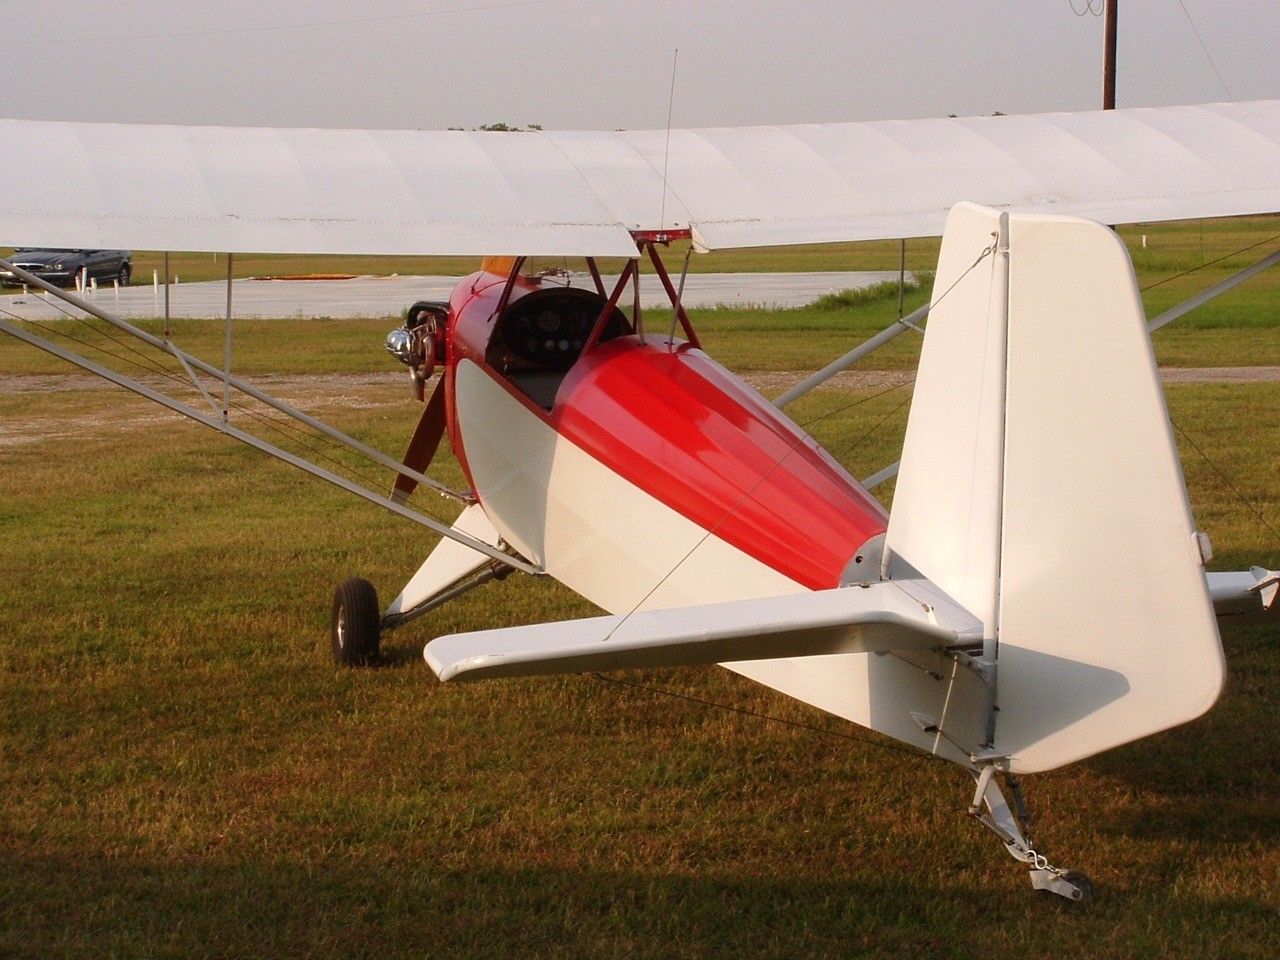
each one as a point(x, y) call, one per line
point(357, 623)
point(126, 273)
point(1081, 882)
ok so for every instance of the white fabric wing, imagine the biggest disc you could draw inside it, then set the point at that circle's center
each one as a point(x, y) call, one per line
point(581, 192)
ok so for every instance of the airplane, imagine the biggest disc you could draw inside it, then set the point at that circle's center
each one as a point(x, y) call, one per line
point(1037, 592)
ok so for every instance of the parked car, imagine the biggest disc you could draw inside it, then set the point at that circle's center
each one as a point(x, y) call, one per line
point(62, 267)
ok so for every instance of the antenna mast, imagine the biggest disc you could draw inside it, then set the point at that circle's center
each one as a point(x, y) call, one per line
point(666, 153)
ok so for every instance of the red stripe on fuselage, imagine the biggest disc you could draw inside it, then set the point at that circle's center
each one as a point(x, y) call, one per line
point(685, 430)
point(689, 433)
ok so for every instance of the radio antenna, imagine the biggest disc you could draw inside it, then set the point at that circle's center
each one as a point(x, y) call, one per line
point(666, 153)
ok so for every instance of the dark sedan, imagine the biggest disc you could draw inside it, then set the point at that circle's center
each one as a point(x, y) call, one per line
point(62, 267)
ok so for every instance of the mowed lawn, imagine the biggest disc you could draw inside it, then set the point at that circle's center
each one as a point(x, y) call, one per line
point(183, 771)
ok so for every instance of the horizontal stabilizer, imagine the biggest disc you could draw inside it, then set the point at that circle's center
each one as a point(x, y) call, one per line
point(875, 618)
point(1247, 596)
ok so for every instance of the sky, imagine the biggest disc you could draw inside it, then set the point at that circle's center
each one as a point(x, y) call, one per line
point(608, 64)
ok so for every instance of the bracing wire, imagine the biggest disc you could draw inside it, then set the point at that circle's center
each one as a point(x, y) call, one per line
point(1253, 649)
point(315, 445)
point(666, 150)
point(857, 403)
point(791, 448)
point(1210, 263)
point(849, 447)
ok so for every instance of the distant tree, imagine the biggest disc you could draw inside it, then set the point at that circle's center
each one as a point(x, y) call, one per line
point(507, 128)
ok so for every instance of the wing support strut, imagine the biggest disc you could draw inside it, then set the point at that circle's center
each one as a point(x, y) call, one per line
point(257, 444)
point(880, 339)
point(189, 361)
point(215, 422)
point(1200, 299)
point(899, 326)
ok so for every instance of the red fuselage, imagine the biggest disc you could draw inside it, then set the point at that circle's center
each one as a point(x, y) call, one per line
point(670, 420)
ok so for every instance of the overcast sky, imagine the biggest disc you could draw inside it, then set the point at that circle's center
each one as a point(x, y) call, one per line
point(607, 64)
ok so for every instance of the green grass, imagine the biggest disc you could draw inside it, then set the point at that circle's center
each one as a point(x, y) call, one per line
point(184, 773)
point(1239, 329)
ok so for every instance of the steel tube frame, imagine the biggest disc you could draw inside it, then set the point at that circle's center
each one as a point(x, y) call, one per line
point(660, 269)
point(185, 358)
point(1217, 289)
point(621, 285)
point(452, 592)
point(853, 356)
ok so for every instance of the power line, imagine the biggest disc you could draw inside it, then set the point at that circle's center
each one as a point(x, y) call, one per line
point(1089, 8)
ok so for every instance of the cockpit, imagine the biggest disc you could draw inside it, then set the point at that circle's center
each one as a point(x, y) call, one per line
point(544, 328)
point(531, 319)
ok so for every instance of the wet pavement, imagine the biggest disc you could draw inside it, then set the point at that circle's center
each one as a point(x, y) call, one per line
point(388, 296)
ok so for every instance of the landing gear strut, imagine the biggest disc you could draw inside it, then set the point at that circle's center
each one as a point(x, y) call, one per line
point(1010, 827)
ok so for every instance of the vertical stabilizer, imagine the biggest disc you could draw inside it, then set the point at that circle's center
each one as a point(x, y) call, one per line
point(1071, 490)
point(946, 506)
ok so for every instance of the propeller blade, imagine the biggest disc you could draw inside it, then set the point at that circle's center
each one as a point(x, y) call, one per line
point(423, 445)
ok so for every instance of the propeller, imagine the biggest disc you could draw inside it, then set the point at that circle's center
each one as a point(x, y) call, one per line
point(424, 443)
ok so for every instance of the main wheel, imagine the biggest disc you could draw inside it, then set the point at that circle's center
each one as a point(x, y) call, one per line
point(126, 272)
point(357, 623)
point(1081, 882)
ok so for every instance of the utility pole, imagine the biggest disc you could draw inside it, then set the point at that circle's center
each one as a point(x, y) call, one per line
point(1109, 67)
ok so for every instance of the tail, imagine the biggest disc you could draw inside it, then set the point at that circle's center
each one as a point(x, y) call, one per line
point(1040, 488)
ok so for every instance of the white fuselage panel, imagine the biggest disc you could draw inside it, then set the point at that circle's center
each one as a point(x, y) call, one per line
point(625, 550)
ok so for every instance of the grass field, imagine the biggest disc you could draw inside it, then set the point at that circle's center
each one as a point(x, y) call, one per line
point(184, 773)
